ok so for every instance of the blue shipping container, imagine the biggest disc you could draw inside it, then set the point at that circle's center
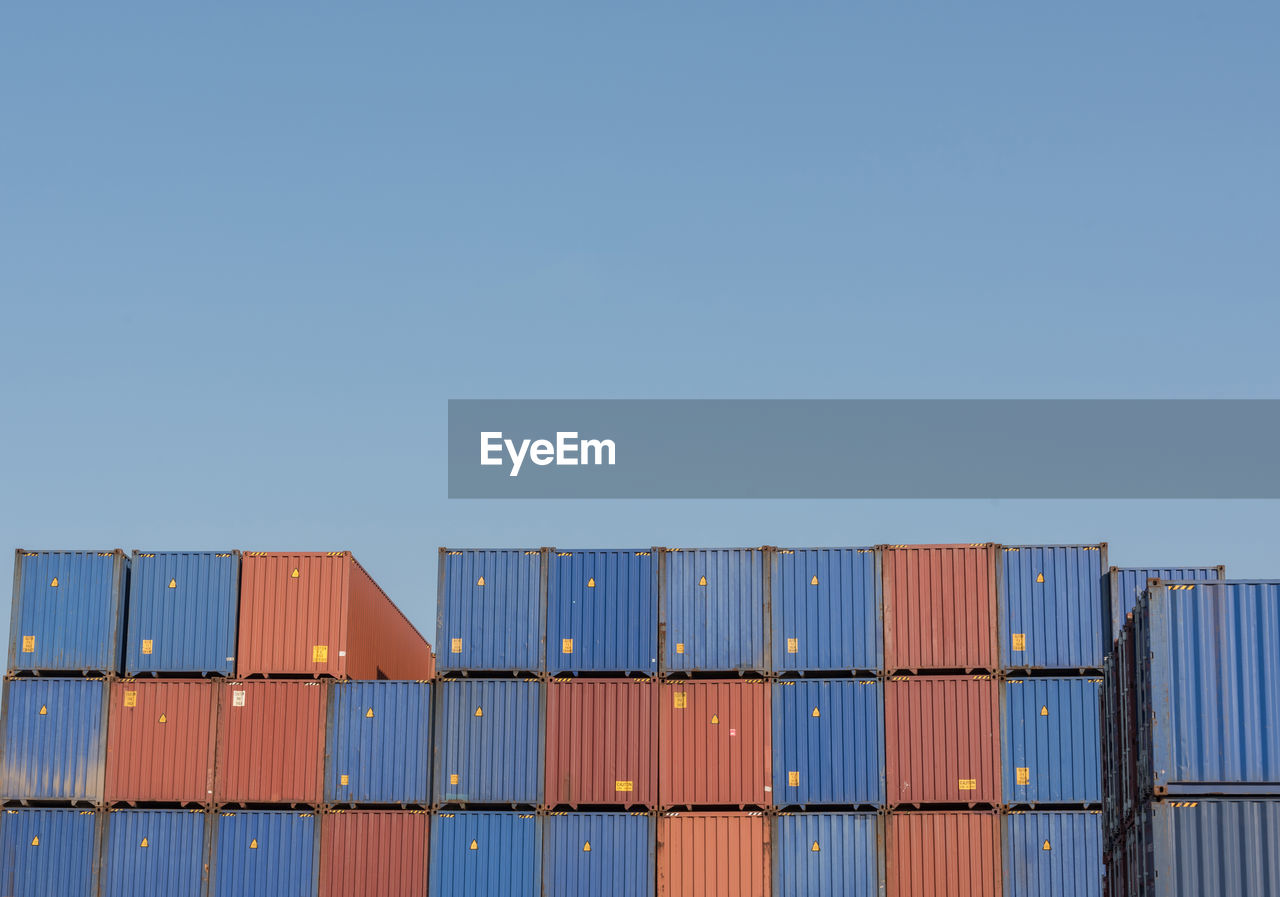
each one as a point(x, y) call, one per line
point(1128, 583)
point(491, 610)
point(587, 854)
point(1053, 854)
point(378, 743)
point(68, 611)
point(49, 853)
point(602, 611)
point(1051, 734)
point(486, 855)
point(55, 739)
point(155, 853)
point(182, 612)
point(257, 853)
point(490, 739)
point(712, 609)
point(827, 609)
point(1224, 848)
point(1054, 607)
point(828, 855)
point(828, 742)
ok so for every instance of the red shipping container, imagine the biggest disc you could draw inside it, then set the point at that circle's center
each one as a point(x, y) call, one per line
point(602, 742)
point(944, 854)
point(160, 741)
point(940, 607)
point(321, 614)
point(942, 740)
point(381, 852)
point(713, 855)
point(715, 743)
point(270, 742)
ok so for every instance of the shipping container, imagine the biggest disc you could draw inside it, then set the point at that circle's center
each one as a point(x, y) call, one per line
point(940, 607)
point(942, 740)
point(715, 744)
point(713, 610)
point(270, 742)
point(155, 853)
point(321, 614)
point(1109, 719)
point(602, 611)
point(49, 853)
point(182, 612)
point(828, 742)
point(591, 854)
point(265, 853)
point(1055, 607)
point(489, 854)
point(713, 855)
point(160, 741)
point(375, 852)
point(1051, 739)
point(944, 854)
point(1053, 854)
point(602, 742)
point(1128, 583)
point(1224, 848)
point(491, 610)
point(68, 611)
point(826, 608)
point(55, 739)
point(828, 855)
point(489, 746)
point(378, 743)
point(1128, 720)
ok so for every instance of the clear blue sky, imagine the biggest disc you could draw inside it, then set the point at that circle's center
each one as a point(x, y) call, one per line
point(249, 254)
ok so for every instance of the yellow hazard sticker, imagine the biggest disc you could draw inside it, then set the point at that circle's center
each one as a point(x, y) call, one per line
point(814, 848)
point(44, 710)
point(1039, 577)
point(793, 778)
point(144, 843)
point(591, 583)
point(1024, 775)
point(253, 845)
point(295, 574)
point(680, 700)
point(793, 646)
point(173, 583)
point(163, 718)
point(968, 784)
point(28, 644)
point(453, 778)
point(35, 842)
point(816, 713)
point(474, 845)
point(715, 719)
point(319, 653)
point(702, 581)
point(53, 583)
point(479, 711)
point(814, 581)
point(479, 582)
point(368, 714)
point(586, 847)
point(566, 646)
point(621, 785)
point(131, 699)
point(146, 646)
point(344, 780)
point(455, 646)
point(1046, 846)
point(1044, 711)
point(1019, 640)
point(679, 647)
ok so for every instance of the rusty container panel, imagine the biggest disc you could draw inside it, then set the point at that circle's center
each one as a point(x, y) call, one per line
point(321, 614)
point(713, 855)
point(602, 742)
point(940, 607)
point(942, 740)
point(270, 742)
point(160, 740)
point(715, 743)
point(382, 852)
point(944, 854)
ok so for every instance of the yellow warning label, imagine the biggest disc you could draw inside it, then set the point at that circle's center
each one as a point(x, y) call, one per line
point(566, 646)
point(368, 714)
point(131, 699)
point(474, 845)
point(816, 714)
point(715, 719)
point(1019, 640)
point(173, 583)
point(253, 845)
point(1046, 846)
point(479, 582)
point(344, 780)
point(1024, 775)
point(294, 574)
point(679, 647)
point(319, 653)
point(680, 700)
point(968, 784)
point(1039, 577)
point(44, 710)
point(591, 583)
point(453, 779)
point(146, 646)
point(479, 711)
point(164, 718)
point(814, 581)
point(35, 842)
point(53, 583)
point(586, 847)
point(144, 843)
point(623, 786)
point(455, 646)
point(814, 848)
point(1044, 711)
point(793, 778)
point(701, 582)
point(28, 644)
point(793, 646)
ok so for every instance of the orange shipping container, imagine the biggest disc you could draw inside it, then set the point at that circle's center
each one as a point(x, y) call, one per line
point(715, 743)
point(381, 852)
point(942, 740)
point(321, 614)
point(713, 855)
point(940, 607)
point(160, 741)
point(602, 744)
point(946, 854)
point(270, 742)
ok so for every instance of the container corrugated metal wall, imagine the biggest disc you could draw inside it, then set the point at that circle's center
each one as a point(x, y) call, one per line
point(1051, 739)
point(942, 740)
point(713, 855)
point(270, 742)
point(491, 610)
point(1227, 848)
point(828, 855)
point(49, 853)
point(486, 855)
point(182, 612)
point(590, 854)
point(828, 742)
point(715, 743)
point(55, 739)
point(826, 607)
point(602, 742)
point(155, 853)
point(68, 611)
point(713, 610)
point(375, 852)
point(160, 740)
point(602, 611)
point(940, 607)
point(378, 743)
point(261, 852)
point(489, 746)
point(944, 854)
point(1128, 583)
point(1054, 607)
point(1053, 854)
